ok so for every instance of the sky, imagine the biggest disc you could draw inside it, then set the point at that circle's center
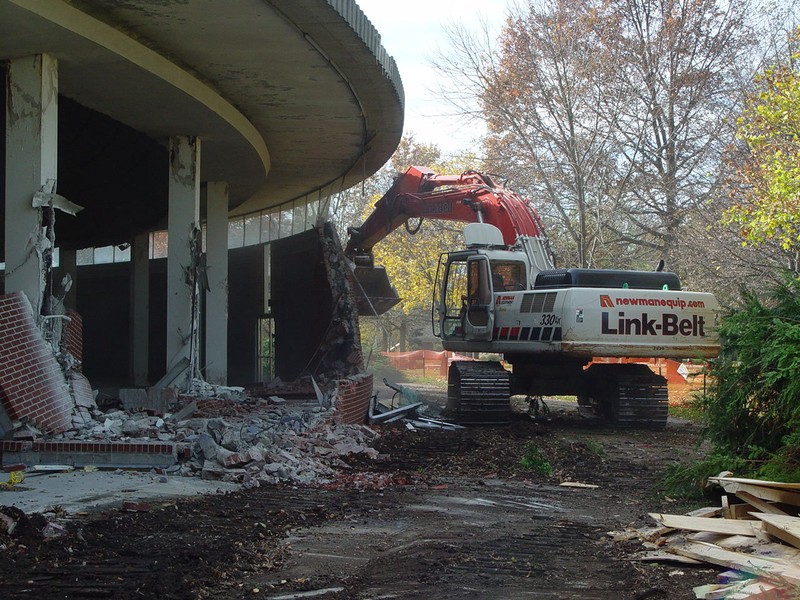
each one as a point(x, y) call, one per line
point(412, 32)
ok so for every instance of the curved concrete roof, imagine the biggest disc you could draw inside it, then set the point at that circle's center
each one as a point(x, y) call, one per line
point(288, 96)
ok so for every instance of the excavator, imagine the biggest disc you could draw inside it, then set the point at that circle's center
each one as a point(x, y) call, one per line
point(502, 295)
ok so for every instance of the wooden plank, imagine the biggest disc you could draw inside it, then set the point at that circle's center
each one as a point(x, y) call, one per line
point(762, 567)
point(740, 511)
point(578, 484)
point(725, 592)
point(737, 541)
point(663, 556)
point(783, 527)
point(761, 505)
point(713, 538)
point(652, 534)
point(777, 551)
point(706, 511)
point(727, 526)
point(760, 482)
point(760, 590)
point(764, 493)
point(731, 542)
point(711, 591)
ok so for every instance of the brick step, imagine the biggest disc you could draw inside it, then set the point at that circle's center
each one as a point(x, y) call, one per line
point(131, 455)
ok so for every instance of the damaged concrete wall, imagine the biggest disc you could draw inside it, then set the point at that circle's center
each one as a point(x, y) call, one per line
point(32, 384)
point(317, 335)
point(316, 321)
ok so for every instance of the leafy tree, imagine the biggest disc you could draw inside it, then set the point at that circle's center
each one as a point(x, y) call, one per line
point(679, 65)
point(768, 202)
point(545, 110)
point(549, 122)
point(715, 259)
point(610, 115)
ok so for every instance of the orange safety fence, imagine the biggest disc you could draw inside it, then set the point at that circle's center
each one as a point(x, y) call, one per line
point(430, 362)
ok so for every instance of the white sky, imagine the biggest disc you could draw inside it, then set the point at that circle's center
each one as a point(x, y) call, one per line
point(411, 32)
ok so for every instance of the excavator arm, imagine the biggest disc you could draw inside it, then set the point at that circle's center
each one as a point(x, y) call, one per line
point(471, 197)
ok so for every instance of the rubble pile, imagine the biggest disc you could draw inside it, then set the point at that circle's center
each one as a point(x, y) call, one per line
point(223, 433)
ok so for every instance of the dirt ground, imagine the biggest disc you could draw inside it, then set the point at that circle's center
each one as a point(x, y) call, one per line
point(443, 515)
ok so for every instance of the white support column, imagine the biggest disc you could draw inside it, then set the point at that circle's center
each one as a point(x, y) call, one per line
point(216, 317)
point(31, 165)
point(140, 309)
point(184, 219)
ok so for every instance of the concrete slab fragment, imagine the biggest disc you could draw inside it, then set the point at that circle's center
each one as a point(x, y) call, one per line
point(80, 491)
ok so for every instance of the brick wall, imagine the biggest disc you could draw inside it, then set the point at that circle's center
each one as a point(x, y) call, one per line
point(73, 337)
point(351, 399)
point(32, 384)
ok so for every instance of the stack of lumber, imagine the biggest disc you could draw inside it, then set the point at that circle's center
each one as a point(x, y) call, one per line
point(754, 535)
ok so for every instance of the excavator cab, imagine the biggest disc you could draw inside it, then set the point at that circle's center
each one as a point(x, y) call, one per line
point(464, 306)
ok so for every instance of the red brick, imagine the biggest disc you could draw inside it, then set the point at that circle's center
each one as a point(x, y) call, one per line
point(30, 377)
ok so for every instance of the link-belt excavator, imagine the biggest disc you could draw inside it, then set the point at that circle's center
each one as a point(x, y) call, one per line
point(503, 295)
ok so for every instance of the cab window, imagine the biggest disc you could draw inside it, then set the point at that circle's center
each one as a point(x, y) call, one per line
point(508, 276)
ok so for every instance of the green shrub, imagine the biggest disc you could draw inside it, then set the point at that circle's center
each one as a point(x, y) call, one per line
point(688, 482)
point(784, 465)
point(752, 407)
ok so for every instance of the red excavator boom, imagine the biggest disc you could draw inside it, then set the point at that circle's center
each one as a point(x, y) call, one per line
point(470, 198)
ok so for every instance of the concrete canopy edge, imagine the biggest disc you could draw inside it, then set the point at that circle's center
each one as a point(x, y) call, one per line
point(140, 55)
point(293, 99)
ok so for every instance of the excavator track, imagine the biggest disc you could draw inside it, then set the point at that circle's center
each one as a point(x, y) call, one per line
point(628, 395)
point(478, 393)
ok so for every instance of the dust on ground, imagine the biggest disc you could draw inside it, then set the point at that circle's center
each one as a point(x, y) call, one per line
point(445, 514)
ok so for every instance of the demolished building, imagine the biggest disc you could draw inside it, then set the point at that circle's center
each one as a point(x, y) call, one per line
point(190, 142)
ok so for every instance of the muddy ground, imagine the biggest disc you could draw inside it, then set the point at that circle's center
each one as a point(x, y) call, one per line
point(445, 515)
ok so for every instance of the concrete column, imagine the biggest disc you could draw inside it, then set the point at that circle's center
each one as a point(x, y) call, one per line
point(184, 220)
point(31, 165)
point(216, 322)
point(140, 309)
point(68, 265)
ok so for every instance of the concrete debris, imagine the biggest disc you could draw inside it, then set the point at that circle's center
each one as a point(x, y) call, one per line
point(186, 412)
point(221, 433)
point(53, 530)
point(131, 506)
point(53, 468)
point(25, 431)
point(201, 389)
point(7, 524)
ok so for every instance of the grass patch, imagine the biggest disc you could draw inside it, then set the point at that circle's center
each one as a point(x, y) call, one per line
point(595, 448)
point(686, 410)
point(428, 376)
point(535, 460)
